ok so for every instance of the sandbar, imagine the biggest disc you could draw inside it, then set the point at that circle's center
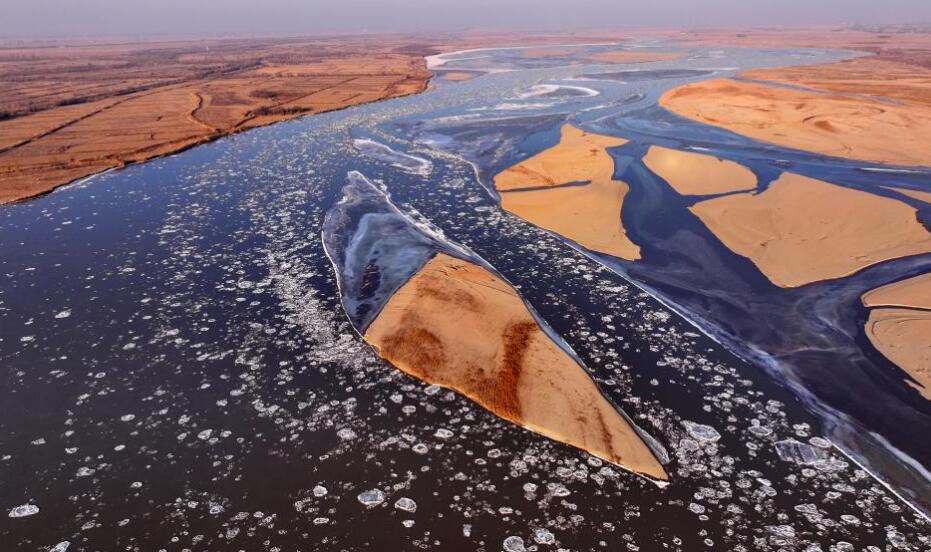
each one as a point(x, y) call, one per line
point(457, 325)
point(914, 293)
point(801, 230)
point(899, 327)
point(569, 189)
point(868, 76)
point(692, 173)
point(902, 336)
point(851, 127)
point(626, 56)
point(457, 76)
point(540, 53)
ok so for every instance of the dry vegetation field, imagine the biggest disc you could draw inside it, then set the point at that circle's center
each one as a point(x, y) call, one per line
point(67, 111)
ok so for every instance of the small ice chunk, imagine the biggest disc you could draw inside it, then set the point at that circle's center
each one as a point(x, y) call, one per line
point(820, 442)
point(702, 433)
point(372, 497)
point(542, 536)
point(60, 547)
point(64, 314)
point(24, 511)
point(784, 531)
point(804, 454)
point(320, 491)
point(443, 433)
point(514, 544)
point(406, 504)
point(346, 434)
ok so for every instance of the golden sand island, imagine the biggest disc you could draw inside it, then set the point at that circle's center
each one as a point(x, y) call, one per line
point(851, 127)
point(801, 230)
point(899, 327)
point(570, 189)
point(457, 325)
point(692, 173)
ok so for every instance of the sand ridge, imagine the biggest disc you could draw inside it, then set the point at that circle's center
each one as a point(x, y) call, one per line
point(849, 127)
point(577, 198)
point(802, 230)
point(691, 173)
point(457, 325)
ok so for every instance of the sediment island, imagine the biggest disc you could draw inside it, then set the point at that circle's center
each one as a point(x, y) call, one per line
point(457, 325)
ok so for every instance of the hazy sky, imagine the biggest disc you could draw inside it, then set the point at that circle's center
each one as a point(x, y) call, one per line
point(95, 17)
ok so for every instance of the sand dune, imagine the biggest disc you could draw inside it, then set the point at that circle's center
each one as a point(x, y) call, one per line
point(457, 325)
point(801, 230)
point(578, 198)
point(697, 174)
point(851, 127)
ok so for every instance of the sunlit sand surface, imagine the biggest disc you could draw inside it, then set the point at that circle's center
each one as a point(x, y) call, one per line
point(852, 127)
point(569, 189)
point(458, 76)
point(801, 230)
point(900, 327)
point(902, 336)
point(912, 293)
point(457, 325)
point(698, 174)
point(871, 76)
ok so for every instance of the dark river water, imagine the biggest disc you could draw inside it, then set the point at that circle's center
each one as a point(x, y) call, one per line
point(179, 373)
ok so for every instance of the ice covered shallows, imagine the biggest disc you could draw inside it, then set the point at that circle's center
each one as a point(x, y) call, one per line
point(374, 246)
point(458, 324)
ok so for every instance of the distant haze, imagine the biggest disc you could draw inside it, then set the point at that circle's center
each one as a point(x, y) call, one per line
point(153, 17)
